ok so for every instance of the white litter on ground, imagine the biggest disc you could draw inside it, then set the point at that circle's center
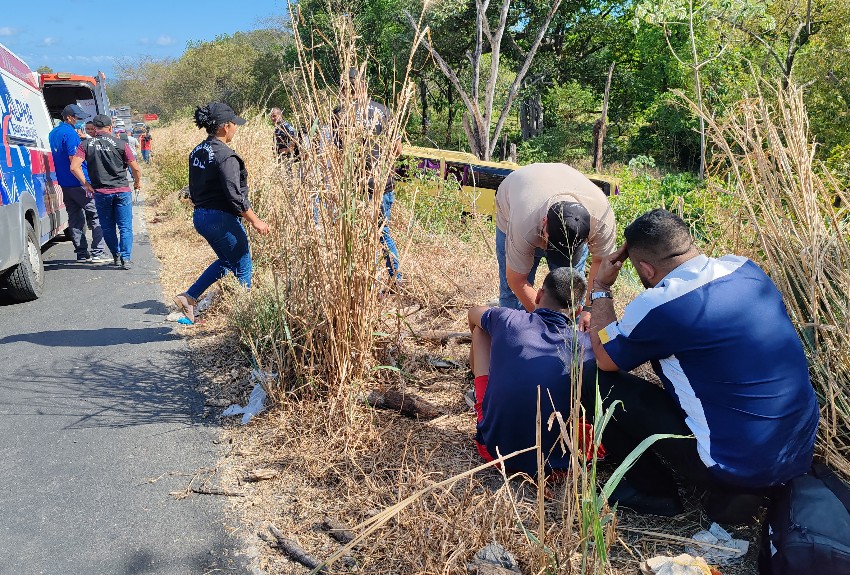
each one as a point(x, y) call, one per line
point(257, 399)
point(716, 535)
point(680, 565)
point(205, 302)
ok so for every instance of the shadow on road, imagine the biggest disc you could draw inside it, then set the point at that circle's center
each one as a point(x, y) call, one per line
point(95, 392)
point(93, 337)
point(152, 307)
point(75, 265)
point(148, 562)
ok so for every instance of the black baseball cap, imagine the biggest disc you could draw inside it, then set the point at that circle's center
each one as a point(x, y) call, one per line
point(221, 113)
point(567, 225)
point(74, 110)
point(101, 121)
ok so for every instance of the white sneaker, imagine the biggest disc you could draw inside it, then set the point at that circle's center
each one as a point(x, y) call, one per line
point(100, 259)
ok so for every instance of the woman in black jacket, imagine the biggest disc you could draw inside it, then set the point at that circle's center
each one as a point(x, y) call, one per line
point(218, 187)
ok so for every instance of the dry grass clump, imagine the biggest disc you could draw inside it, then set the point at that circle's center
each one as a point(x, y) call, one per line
point(794, 224)
point(317, 300)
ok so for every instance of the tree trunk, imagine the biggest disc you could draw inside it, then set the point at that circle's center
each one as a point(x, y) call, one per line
point(423, 99)
point(451, 116)
point(524, 124)
point(531, 117)
point(603, 125)
point(698, 88)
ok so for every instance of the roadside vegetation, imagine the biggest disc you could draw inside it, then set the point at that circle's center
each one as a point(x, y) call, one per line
point(323, 325)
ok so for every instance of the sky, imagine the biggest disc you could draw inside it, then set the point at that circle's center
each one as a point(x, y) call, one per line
point(84, 36)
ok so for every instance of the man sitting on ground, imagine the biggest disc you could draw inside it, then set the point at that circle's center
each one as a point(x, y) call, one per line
point(513, 353)
point(733, 368)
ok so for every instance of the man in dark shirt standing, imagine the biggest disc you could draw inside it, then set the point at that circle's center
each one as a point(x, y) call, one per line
point(108, 160)
point(285, 135)
point(374, 118)
point(64, 141)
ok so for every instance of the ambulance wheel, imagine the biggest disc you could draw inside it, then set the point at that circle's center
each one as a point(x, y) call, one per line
point(25, 282)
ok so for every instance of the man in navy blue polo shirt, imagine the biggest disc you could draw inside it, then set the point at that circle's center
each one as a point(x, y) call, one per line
point(513, 353)
point(734, 373)
point(64, 141)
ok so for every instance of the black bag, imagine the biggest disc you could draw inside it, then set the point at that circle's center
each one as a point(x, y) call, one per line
point(808, 527)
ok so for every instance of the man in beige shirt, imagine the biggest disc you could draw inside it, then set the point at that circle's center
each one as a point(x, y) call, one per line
point(549, 210)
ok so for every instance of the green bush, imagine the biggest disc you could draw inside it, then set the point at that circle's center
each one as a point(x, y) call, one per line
point(170, 172)
point(683, 194)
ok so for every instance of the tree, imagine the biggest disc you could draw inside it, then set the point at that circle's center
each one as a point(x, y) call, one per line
point(696, 17)
point(44, 70)
point(480, 132)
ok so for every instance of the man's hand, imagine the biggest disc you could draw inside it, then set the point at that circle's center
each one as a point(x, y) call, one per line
point(584, 321)
point(610, 268)
point(89, 190)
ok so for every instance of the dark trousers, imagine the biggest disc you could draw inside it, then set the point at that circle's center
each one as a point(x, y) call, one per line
point(647, 409)
point(81, 212)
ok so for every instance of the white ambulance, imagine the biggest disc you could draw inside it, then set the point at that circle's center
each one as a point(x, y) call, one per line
point(31, 208)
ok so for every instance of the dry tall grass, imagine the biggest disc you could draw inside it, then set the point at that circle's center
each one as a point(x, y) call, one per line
point(314, 314)
point(795, 224)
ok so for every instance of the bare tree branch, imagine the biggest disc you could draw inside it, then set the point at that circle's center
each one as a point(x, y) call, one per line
point(512, 92)
point(760, 40)
point(495, 56)
point(441, 63)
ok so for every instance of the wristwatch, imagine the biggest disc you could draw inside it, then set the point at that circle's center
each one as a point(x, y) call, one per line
point(595, 295)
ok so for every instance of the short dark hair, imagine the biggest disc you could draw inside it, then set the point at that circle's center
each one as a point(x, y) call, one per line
point(565, 287)
point(659, 234)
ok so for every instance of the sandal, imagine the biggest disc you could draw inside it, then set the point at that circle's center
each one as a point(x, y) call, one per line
point(184, 304)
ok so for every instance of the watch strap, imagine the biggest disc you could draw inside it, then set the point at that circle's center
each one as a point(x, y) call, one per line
point(595, 295)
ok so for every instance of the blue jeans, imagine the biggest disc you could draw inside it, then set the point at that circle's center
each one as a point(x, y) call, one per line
point(507, 298)
point(228, 239)
point(146, 156)
point(115, 212)
point(390, 249)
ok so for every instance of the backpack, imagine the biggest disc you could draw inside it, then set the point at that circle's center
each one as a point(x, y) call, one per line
point(808, 527)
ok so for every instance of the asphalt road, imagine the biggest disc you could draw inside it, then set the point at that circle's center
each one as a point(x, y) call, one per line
point(96, 400)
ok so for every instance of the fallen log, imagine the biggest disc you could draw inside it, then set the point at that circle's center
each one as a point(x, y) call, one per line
point(337, 530)
point(294, 551)
point(407, 404)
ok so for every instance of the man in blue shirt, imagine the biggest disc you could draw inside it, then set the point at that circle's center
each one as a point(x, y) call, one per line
point(64, 141)
point(734, 373)
point(513, 353)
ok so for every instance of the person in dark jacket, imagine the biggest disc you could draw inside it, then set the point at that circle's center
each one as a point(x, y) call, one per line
point(218, 187)
point(109, 160)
